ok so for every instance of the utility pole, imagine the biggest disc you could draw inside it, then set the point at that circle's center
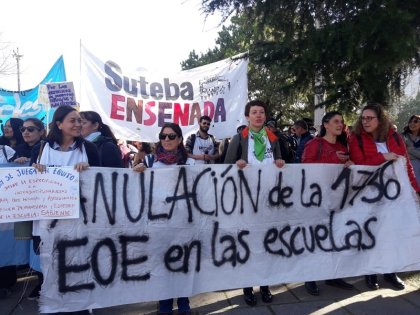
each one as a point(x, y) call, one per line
point(17, 56)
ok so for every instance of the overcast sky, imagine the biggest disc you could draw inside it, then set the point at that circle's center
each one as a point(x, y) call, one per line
point(151, 34)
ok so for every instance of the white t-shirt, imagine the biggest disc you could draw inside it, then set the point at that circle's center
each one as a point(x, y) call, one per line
point(381, 147)
point(268, 155)
point(51, 157)
point(9, 154)
point(203, 146)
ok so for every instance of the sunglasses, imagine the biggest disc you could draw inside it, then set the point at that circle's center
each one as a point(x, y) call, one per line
point(414, 121)
point(30, 129)
point(171, 136)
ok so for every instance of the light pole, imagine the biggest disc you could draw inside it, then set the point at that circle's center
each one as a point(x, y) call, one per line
point(17, 56)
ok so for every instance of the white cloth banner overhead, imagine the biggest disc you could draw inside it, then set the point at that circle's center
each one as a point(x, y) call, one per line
point(136, 105)
point(190, 229)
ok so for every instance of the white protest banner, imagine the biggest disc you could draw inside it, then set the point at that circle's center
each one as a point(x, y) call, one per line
point(26, 194)
point(190, 229)
point(136, 106)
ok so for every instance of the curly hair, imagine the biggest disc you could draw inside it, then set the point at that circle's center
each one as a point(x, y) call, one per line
point(383, 122)
point(254, 103)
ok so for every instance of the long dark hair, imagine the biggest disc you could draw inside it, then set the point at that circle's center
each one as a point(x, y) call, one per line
point(55, 134)
point(383, 122)
point(104, 129)
point(183, 155)
point(407, 129)
point(15, 123)
point(327, 117)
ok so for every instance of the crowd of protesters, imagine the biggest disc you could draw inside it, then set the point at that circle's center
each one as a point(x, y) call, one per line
point(81, 139)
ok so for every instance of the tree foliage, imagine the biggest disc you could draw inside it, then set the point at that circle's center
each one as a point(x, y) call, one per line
point(6, 65)
point(404, 109)
point(363, 50)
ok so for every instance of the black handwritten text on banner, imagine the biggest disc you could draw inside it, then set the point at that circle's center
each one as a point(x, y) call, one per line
point(186, 230)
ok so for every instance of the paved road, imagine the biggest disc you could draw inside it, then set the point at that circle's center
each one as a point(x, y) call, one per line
point(288, 299)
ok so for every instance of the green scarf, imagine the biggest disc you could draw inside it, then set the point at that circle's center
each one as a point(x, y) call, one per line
point(259, 143)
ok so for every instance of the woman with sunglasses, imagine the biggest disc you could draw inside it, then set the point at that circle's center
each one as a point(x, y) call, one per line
point(94, 130)
point(411, 135)
point(374, 142)
point(170, 151)
point(329, 147)
point(64, 146)
point(33, 132)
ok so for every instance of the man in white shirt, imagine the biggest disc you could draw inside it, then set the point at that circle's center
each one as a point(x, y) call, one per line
point(201, 146)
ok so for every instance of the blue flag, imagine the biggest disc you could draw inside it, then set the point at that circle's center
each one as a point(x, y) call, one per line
point(24, 104)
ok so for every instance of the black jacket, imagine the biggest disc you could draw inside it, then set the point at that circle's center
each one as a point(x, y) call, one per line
point(24, 150)
point(109, 152)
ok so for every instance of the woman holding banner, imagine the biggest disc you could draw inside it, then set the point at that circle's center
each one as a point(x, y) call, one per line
point(33, 131)
point(329, 147)
point(94, 130)
point(374, 142)
point(255, 145)
point(170, 151)
point(64, 146)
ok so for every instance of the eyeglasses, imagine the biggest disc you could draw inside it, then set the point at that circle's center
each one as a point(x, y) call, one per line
point(205, 123)
point(171, 136)
point(30, 129)
point(368, 118)
point(414, 121)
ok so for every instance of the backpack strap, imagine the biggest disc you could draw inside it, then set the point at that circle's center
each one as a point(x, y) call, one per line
point(360, 142)
point(213, 140)
point(4, 152)
point(397, 138)
point(193, 137)
point(321, 144)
